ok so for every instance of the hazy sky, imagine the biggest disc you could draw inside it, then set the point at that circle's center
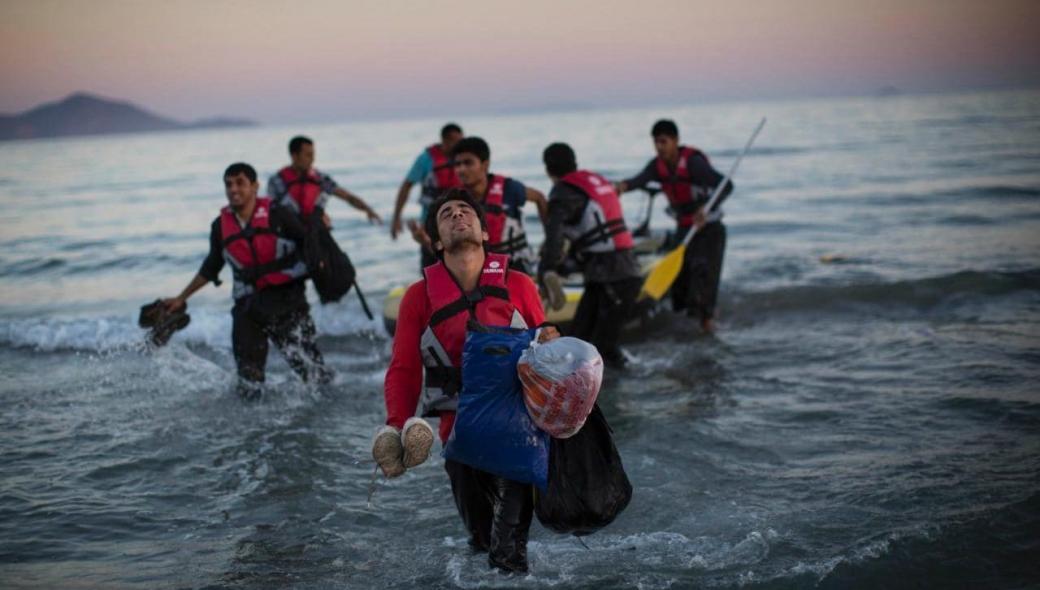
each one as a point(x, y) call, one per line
point(329, 60)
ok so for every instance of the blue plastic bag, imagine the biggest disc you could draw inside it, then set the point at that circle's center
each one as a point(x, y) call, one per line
point(493, 431)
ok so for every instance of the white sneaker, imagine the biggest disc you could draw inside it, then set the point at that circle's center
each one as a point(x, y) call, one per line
point(417, 439)
point(388, 452)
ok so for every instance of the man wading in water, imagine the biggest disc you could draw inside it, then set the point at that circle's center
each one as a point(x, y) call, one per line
point(502, 199)
point(434, 171)
point(468, 283)
point(302, 188)
point(688, 179)
point(261, 243)
point(584, 209)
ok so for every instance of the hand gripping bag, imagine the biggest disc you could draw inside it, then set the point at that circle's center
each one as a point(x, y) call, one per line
point(588, 487)
point(493, 431)
point(561, 381)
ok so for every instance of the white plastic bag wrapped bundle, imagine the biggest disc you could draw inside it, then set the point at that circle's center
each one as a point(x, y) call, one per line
point(561, 380)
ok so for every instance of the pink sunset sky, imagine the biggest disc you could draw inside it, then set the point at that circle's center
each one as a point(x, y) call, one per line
point(283, 61)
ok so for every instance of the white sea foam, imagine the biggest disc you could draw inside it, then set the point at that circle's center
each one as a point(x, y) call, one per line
point(858, 554)
point(209, 326)
point(50, 334)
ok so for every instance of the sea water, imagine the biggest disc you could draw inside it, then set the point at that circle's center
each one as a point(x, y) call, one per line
point(868, 414)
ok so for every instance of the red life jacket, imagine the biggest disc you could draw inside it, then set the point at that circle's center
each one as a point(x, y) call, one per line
point(258, 257)
point(443, 169)
point(602, 224)
point(442, 340)
point(505, 227)
point(678, 185)
point(304, 191)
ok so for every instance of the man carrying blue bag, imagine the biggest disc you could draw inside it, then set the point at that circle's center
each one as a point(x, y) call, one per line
point(495, 453)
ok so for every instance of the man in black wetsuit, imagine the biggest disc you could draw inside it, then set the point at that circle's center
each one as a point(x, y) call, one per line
point(688, 179)
point(585, 209)
point(261, 243)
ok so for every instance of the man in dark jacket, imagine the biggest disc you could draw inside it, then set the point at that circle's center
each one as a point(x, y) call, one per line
point(262, 243)
point(688, 179)
point(585, 209)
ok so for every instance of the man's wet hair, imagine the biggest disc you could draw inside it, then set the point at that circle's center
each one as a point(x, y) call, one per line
point(449, 129)
point(472, 145)
point(296, 144)
point(666, 127)
point(454, 194)
point(240, 168)
point(559, 160)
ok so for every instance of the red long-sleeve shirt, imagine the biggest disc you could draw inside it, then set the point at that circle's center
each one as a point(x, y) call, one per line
point(402, 387)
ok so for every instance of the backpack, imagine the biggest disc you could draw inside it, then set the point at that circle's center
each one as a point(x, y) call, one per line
point(329, 267)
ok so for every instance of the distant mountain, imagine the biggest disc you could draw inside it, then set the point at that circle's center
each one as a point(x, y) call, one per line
point(86, 114)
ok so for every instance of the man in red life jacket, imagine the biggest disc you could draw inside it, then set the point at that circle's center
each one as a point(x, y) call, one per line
point(261, 243)
point(502, 199)
point(435, 173)
point(425, 366)
point(688, 179)
point(302, 188)
point(585, 210)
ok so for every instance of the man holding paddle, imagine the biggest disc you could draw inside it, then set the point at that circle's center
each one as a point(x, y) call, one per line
point(688, 179)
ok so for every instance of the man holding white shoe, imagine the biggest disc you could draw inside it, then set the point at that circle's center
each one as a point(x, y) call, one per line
point(467, 284)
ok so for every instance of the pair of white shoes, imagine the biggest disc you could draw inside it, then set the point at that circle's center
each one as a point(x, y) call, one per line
point(397, 450)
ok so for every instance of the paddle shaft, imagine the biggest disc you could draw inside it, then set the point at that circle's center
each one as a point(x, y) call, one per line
point(718, 189)
point(644, 227)
point(364, 304)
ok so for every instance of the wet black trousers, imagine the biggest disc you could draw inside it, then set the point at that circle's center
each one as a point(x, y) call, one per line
point(497, 513)
point(603, 310)
point(292, 331)
point(697, 287)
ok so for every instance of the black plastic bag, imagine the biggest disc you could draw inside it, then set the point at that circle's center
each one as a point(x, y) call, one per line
point(328, 266)
point(588, 487)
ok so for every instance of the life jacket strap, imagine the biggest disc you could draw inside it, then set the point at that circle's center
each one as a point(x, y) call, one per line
point(252, 274)
point(306, 179)
point(603, 231)
point(468, 301)
point(248, 233)
point(510, 246)
point(446, 379)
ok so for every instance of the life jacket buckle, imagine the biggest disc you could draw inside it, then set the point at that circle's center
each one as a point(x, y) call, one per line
point(474, 297)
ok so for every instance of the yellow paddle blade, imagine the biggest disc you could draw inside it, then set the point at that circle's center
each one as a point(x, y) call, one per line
point(663, 274)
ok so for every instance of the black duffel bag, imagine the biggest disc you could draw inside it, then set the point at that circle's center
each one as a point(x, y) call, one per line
point(328, 266)
point(588, 487)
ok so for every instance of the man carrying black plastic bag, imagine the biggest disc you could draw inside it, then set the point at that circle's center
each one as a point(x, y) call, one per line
point(588, 487)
